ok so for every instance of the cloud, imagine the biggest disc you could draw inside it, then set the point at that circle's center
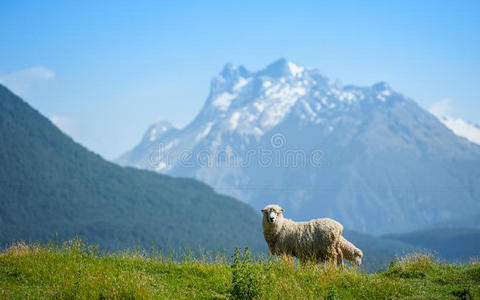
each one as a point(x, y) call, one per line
point(442, 108)
point(463, 128)
point(22, 82)
point(66, 125)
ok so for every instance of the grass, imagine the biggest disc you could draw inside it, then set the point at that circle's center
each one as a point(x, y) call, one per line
point(76, 271)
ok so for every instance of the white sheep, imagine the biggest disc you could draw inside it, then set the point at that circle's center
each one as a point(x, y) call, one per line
point(350, 252)
point(316, 240)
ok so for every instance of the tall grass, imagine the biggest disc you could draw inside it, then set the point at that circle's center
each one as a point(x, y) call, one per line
point(74, 270)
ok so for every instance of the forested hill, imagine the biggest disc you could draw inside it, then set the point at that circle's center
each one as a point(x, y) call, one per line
point(53, 188)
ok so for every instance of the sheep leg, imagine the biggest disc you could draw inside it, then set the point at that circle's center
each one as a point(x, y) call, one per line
point(333, 258)
point(340, 256)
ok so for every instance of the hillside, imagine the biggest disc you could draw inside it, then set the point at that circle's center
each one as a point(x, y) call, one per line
point(73, 271)
point(367, 156)
point(453, 244)
point(52, 188)
point(378, 251)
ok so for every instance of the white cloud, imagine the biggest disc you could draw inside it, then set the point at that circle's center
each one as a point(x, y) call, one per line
point(442, 108)
point(463, 128)
point(21, 82)
point(65, 124)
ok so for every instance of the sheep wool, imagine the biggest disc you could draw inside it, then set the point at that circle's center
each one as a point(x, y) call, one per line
point(316, 240)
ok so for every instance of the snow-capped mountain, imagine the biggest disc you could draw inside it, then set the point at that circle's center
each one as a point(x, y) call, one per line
point(367, 156)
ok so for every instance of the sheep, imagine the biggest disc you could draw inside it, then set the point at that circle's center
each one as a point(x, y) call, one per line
point(350, 252)
point(316, 240)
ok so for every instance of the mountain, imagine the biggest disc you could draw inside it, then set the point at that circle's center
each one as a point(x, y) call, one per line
point(156, 131)
point(379, 251)
point(367, 156)
point(52, 188)
point(453, 244)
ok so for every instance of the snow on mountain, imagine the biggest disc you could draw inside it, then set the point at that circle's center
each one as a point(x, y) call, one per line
point(158, 129)
point(367, 156)
point(254, 103)
point(154, 133)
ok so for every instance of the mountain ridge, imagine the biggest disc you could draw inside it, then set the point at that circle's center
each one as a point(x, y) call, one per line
point(54, 189)
point(372, 157)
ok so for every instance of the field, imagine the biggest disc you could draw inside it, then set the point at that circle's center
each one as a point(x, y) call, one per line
point(75, 271)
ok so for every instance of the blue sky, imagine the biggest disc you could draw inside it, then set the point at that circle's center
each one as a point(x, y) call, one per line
point(105, 70)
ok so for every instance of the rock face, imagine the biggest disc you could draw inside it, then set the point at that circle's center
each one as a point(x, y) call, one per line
point(366, 156)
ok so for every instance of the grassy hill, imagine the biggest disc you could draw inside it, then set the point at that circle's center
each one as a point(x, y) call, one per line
point(453, 244)
point(52, 188)
point(76, 271)
point(378, 251)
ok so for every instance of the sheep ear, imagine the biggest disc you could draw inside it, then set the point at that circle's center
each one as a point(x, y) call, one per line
point(263, 210)
point(282, 210)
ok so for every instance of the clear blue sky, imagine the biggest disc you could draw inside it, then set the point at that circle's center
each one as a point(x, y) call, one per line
point(107, 69)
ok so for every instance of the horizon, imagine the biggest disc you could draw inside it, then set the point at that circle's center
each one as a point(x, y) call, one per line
point(105, 81)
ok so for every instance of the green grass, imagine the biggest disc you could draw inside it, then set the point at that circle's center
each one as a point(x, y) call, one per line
point(75, 271)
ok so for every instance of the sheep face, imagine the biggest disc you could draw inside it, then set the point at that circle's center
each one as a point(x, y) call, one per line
point(272, 213)
point(357, 256)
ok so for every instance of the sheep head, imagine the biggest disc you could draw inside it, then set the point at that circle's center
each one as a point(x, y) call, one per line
point(357, 256)
point(272, 214)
